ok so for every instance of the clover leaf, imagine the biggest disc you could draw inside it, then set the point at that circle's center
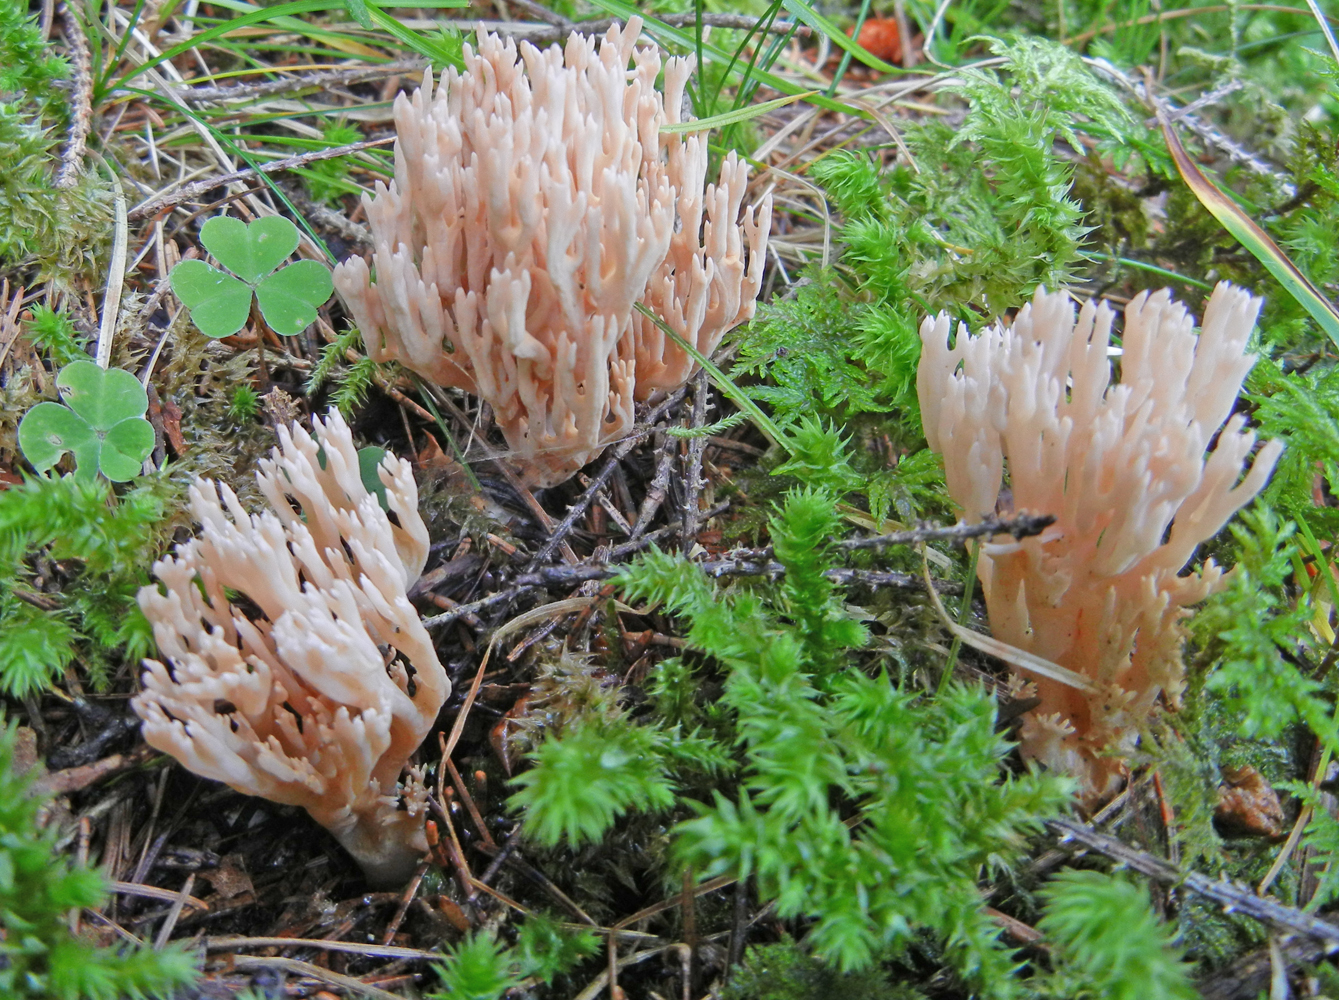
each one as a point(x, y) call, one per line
point(220, 301)
point(101, 423)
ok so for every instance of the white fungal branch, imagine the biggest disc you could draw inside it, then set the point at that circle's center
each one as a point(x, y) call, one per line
point(1123, 469)
point(296, 668)
point(535, 203)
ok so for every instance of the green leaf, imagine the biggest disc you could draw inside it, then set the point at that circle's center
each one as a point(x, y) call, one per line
point(737, 115)
point(103, 397)
point(369, 460)
point(250, 251)
point(807, 15)
point(1235, 220)
point(49, 430)
point(443, 50)
point(288, 298)
point(358, 11)
point(218, 302)
point(103, 425)
point(125, 448)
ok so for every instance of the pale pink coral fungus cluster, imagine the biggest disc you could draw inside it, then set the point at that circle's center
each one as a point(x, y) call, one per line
point(296, 668)
point(536, 202)
point(1123, 469)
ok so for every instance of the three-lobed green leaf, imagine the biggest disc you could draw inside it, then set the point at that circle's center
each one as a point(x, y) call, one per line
point(101, 423)
point(220, 301)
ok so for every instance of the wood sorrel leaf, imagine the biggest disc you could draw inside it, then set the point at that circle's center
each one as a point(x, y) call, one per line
point(288, 298)
point(125, 448)
point(369, 461)
point(103, 425)
point(102, 398)
point(49, 430)
point(218, 302)
point(249, 251)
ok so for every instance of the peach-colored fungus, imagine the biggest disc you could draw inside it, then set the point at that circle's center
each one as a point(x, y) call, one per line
point(1123, 469)
point(296, 668)
point(536, 202)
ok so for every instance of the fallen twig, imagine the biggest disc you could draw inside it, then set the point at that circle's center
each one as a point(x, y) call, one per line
point(1230, 895)
point(231, 943)
point(295, 967)
point(170, 199)
point(693, 462)
point(72, 156)
point(598, 481)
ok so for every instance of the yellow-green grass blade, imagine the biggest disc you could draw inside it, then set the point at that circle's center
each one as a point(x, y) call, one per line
point(668, 33)
point(1235, 220)
point(432, 50)
point(737, 115)
point(807, 15)
point(279, 14)
point(736, 395)
point(218, 30)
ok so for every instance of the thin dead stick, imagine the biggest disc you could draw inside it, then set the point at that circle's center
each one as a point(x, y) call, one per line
point(711, 885)
point(1295, 835)
point(737, 22)
point(501, 897)
point(72, 156)
point(174, 914)
point(1231, 896)
point(466, 610)
point(541, 13)
point(153, 892)
point(1020, 526)
point(599, 480)
point(318, 80)
point(655, 494)
point(230, 943)
point(1012, 655)
point(1200, 103)
point(469, 802)
point(292, 965)
point(693, 463)
point(616, 964)
point(569, 576)
point(170, 199)
point(451, 847)
point(9, 320)
point(410, 892)
point(116, 277)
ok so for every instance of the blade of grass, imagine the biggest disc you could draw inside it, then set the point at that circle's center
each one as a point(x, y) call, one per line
point(135, 16)
point(426, 396)
point(964, 610)
point(744, 92)
point(1311, 547)
point(668, 33)
point(248, 156)
point(845, 64)
point(218, 30)
point(284, 15)
point(438, 53)
point(737, 115)
point(1325, 27)
point(803, 12)
point(735, 394)
point(1251, 236)
point(1162, 272)
point(697, 43)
